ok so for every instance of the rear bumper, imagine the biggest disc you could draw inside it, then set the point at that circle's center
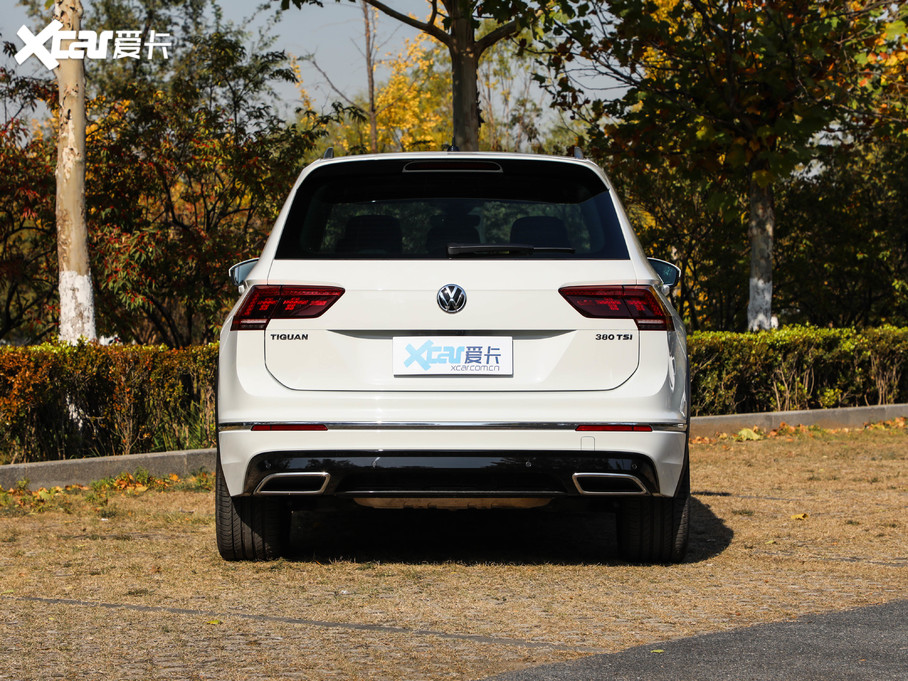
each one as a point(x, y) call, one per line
point(450, 474)
point(453, 462)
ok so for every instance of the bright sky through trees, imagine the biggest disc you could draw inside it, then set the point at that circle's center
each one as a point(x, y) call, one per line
point(333, 33)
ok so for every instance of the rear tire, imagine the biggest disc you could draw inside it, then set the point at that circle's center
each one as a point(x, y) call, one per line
point(249, 528)
point(655, 529)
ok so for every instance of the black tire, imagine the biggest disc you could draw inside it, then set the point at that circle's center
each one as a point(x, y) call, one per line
point(655, 529)
point(249, 528)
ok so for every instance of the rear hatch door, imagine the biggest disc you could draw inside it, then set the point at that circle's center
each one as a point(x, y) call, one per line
point(388, 332)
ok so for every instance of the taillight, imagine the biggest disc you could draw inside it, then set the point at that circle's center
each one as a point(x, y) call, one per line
point(264, 303)
point(639, 303)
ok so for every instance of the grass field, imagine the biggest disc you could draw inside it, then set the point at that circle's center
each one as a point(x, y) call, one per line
point(123, 581)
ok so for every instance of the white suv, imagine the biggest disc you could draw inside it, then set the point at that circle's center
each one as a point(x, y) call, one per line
point(453, 330)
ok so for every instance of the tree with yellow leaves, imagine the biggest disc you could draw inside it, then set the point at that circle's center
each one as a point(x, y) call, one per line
point(408, 111)
point(455, 25)
point(411, 110)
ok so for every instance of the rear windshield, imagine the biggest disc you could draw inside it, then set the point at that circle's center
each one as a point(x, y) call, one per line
point(403, 209)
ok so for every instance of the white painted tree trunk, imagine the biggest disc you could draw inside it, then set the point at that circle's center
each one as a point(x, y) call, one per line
point(77, 309)
point(760, 230)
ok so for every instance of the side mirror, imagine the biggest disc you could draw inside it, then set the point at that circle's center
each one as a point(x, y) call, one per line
point(240, 271)
point(668, 273)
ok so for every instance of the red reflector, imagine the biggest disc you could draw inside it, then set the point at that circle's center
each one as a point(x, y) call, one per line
point(264, 303)
point(639, 303)
point(275, 427)
point(615, 428)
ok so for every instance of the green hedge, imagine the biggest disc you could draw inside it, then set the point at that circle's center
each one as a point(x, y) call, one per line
point(59, 402)
point(797, 368)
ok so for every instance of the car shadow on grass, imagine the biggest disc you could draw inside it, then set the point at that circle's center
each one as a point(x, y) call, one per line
point(539, 536)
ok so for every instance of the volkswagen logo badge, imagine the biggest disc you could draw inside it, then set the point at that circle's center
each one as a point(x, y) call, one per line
point(451, 298)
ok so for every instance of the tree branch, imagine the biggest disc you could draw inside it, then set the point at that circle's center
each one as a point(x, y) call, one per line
point(432, 17)
point(333, 86)
point(489, 39)
point(426, 28)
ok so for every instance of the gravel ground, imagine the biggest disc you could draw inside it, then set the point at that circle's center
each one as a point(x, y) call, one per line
point(799, 523)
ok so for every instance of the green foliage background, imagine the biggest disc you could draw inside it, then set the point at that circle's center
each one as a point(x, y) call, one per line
point(60, 402)
point(798, 367)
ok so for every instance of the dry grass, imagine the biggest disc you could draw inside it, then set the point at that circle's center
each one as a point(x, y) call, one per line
point(803, 522)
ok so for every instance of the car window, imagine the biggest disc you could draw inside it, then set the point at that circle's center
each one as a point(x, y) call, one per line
point(395, 209)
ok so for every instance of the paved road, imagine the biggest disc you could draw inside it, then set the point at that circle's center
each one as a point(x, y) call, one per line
point(867, 644)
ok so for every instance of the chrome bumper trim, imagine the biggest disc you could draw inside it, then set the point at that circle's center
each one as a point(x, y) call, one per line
point(454, 425)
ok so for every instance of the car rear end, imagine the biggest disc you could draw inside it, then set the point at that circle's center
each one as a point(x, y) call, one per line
point(452, 331)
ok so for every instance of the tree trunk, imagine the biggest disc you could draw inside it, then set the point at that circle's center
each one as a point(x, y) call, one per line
point(77, 310)
point(370, 76)
point(760, 231)
point(464, 63)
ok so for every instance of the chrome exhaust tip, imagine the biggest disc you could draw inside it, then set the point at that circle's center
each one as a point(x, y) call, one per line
point(292, 484)
point(612, 484)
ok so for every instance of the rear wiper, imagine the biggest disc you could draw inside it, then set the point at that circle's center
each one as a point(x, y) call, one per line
point(502, 249)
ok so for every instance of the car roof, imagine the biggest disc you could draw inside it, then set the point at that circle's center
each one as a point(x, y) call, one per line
point(450, 155)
